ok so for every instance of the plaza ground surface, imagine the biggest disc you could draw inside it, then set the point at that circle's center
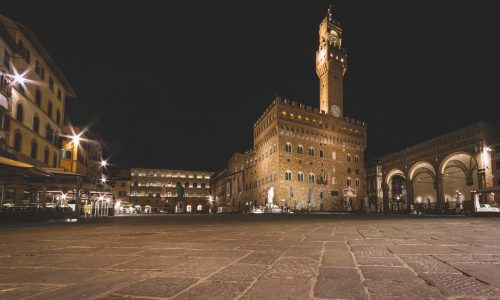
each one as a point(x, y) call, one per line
point(316, 256)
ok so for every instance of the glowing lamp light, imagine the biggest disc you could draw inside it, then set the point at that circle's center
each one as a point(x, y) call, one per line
point(210, 199)
point(103, 179)
point(76, 139)
point(19, 79)
point(104, 163)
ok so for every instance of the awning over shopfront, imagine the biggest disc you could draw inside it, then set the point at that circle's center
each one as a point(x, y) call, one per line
point(13, 171)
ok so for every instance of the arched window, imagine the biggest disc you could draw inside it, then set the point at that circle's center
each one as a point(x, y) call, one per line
point(356, 159)
point(300, 176)
point(48, 132)
point(195, 185)
point(199, 207)
point(46, 156)
point(203, 185)
point(288, 147)
point(300, 149)
point(349, 158)
point(349, 171)
point(334, 155)
point(357, 182)
point(288, 175)
point(311, 151)
point(188, 208)
point(49, 109)
point(186, 185)
point(349, 181)
point(17, 142)
point(36, 124)
point(321, 154)
point(38, 97)
point(58, 118)
point(20, 113)
point(34, 149)
point(312, 178)
point(54, 160)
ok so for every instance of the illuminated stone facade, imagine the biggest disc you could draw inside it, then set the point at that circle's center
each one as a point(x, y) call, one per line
point(36, 107)
point(157, 188)
point(312, 158)
point(85, 157)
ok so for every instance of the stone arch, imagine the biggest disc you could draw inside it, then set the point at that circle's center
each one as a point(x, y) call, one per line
point(392, 173)
point(458, 176)
point(423, 183)
point(396, 181)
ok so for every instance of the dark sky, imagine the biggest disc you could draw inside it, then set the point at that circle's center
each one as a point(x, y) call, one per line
point(179, 85)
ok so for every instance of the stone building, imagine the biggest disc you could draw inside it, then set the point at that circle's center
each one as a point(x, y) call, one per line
point(33, 91)
point(156, 189)
point(8, 48)
point(309, 158)
point(38, 94)
point(82, 152)
point(442, 171)
point(121, 187)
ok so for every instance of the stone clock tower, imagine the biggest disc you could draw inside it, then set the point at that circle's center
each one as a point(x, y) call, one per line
point(331, 65)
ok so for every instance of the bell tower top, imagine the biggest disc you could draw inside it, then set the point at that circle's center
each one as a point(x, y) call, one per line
point(331, 65)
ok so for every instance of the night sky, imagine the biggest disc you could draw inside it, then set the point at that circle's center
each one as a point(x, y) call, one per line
point(179, 85)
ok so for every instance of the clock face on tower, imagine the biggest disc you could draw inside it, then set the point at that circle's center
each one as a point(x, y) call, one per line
point(336, 110)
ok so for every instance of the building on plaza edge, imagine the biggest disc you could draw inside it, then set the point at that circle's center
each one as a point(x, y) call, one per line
point(154, 190)
point(441, 173)
point(303, 158)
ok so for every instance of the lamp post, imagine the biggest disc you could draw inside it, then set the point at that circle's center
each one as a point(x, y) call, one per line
point(74, 155)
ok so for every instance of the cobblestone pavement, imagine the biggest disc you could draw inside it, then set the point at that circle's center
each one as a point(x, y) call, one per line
point(317, 256)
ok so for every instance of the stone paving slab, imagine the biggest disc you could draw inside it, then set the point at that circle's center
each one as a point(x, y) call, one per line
point(342, 283)
point(379, 261)
point(262, 257)
point(293, 267)
point(24, 290)
point(486, 272)
point(401, 290)
point(427, 264)
point(390, 273)
point(459, 285)
point(315, 256)
point(160, 287)
point(213, 290)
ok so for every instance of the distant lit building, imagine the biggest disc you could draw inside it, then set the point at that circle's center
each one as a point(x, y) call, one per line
point(121, 186)
point(303, 158)
point(156, 189)
point(228, 186)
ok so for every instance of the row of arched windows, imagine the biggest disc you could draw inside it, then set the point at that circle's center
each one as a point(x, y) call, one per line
point(312, 136)
point(20, 114)
point(300, 177)
point(34, 150)
point(49, 132)
point(300, 150)
point(312, 178)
